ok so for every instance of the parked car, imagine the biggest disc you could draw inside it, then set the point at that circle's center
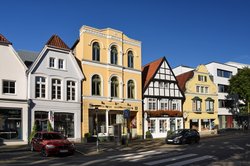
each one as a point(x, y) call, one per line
point(183, 136)
point(51, 143)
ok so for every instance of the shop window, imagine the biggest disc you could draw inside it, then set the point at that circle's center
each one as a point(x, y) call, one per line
point(64, 123)
point(10, 124)
point(151, 126)
point(41, 120)
point(163, 125)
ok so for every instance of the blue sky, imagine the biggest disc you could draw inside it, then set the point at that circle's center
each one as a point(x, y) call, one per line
point(187, 32)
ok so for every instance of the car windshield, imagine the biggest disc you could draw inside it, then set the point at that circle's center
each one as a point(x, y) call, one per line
point(179, 131)
point(49, 136)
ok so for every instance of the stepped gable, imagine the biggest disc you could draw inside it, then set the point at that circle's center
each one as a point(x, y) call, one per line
point(4, 40)
point(56, 42)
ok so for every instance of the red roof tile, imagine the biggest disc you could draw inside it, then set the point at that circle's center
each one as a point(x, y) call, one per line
point(57, 42)
point(149, 71)
point(183, 78)
point(4, 40)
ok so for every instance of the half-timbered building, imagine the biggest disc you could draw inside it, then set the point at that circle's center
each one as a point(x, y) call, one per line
point(162, 99)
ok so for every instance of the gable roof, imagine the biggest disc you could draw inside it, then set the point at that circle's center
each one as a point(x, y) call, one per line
point(149, 71)
point(28, 57)
point(183, 78)
point(4, 40)
point(56, 42)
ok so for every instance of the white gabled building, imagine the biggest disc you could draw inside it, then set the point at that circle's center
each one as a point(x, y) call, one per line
point(54, 82)
point(162, 99)
point(13, 95)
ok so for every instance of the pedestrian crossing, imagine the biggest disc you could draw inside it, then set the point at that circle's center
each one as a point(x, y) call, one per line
point(154, 158)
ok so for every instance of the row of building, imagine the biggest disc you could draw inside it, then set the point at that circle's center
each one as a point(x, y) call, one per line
point(99, 87)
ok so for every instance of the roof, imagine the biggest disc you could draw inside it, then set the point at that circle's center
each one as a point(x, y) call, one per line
point(183, 78)
point(149, 71)
point(4, 40)
point(56, 42)
point(28, 57)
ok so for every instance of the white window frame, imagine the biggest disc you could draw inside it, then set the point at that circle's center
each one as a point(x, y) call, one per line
point(56, 85)
point(71, 90)
point(152, 103)
point(40, 83)
point(8, 87)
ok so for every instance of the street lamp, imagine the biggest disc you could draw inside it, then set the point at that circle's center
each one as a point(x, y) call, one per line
point(96, 120)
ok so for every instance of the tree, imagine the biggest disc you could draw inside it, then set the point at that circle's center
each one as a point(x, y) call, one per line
point(49, 126)
point(240, 85)
point(33, 132)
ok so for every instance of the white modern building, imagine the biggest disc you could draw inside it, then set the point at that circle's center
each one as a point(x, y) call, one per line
point(54, 90)
point(162, 99)
point(238, 65)
point(182, 69)
point(221, 74)
point(13, 96)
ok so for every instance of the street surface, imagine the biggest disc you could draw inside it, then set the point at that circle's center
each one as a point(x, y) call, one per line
point(228, 150)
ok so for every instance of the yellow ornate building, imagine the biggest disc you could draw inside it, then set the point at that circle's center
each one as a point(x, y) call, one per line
point(200, 107)
point(111, 63)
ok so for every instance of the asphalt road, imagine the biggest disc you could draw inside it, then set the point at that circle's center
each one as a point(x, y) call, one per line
point(229, 150)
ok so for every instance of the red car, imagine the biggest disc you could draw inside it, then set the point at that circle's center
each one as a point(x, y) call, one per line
point(49, 143)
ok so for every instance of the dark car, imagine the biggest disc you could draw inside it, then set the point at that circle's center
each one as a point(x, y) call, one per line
point(183, 136)
point(51, 143)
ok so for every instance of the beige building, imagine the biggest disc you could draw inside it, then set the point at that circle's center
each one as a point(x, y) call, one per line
point(200, 109)
point(111, 63)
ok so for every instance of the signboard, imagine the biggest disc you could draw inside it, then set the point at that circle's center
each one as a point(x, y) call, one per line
point(126, 114)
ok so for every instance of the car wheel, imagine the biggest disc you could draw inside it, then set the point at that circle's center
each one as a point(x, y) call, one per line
point(31, 148)
point(44, 152)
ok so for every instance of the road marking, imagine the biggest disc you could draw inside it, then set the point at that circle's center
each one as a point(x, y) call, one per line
point(158, 156)
point(190, 161)
point(94, 162)
point(169, 159)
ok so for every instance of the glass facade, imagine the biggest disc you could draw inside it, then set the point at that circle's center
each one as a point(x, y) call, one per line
point(10, 124)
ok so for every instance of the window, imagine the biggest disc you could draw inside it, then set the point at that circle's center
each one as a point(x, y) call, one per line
point(196, 104)
point(131, 89)
point(164, 104)
point(152, 104)
point(9, 87)
point(202, 78)
point(222, 88)
point(96, 85)
point(161, 85)
point(206, 89)
point(56, 89)
point(197, 89)
point(96, 52)
point(64, 123)
point(224, 73)
point(163, 125)
point(71, 90)
point(130, 59)
point(226, 103)
point(201, 89)
point(210, 105)
point(40, 91)
point(51, 62)
point(61, 64)
point(113, 55)
point(114, 87)
point(151, 126)
point(175, 105)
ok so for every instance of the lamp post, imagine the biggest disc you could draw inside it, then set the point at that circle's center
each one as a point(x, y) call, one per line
point(96, 120)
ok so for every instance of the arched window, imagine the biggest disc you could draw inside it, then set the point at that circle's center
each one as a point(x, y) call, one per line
point(96, 52)
point(96, 85)
point(131, 89)
point(130, 59)
point(114, 87)
point(113, 55)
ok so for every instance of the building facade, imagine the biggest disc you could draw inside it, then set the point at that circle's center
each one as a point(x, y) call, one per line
point(111, 63)
point(54, 89)
point(13, 95)
point(162, 99)
point(200, 109)
point(221, 75)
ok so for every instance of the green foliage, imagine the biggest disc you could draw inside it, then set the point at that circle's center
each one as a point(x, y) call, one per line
point(87, 135)
point(49, 127)
point(240, 85)
point(148, 134)
point(33, 132)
